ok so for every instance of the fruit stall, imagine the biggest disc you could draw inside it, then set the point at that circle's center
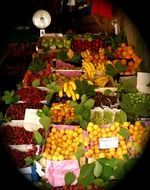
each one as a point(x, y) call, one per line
point(79, 119)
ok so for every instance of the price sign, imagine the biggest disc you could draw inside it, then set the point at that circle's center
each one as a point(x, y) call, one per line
point(31, 120)
point(106, 143)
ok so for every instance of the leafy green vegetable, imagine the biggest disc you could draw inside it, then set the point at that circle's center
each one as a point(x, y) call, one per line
point(69, 178)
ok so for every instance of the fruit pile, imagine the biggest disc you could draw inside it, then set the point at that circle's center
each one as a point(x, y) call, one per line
point(81, 44)
point(61, 144)
point(103, 100)
point(31, 94)
point(17, 111)
point(19, 143)
point(51, 42)
point(133, 145)
point(61, 112)
point(137, 97)
point(18, 157)
point(128, 57)
point(78, 120)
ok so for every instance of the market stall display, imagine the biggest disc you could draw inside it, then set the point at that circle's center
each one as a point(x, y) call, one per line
point(89, 125)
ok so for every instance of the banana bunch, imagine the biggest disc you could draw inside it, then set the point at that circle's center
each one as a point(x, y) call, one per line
point(85, 53)
point(69, 88)
point(70, 53)
point(102, 80)
point(101, 67)
point(108, 62)
point(89, 68)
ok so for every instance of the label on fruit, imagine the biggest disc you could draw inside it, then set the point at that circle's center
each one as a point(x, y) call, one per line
point(31, 120)
point(106, 143)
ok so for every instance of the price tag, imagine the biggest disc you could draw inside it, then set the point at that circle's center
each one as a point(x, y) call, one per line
point(31, 120)
point(106, 143)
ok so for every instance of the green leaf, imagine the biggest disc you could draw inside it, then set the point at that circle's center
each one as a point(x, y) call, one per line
point(89, 103)
point(107, 173)
point(83, 124)
point(97, 169)
point(73, 104)
point(39, 113)
point(83, 98)
point(110, 70)
point(126, 104)
point(85, 181)
point(38, 137)
point(119, 172)
point(12, 93)
point(80, 152)
point(79, 109)
point(36, 83)
point(98, 182)
point(86, 113)
point(107, 92)
point(124, 133)
point(46, 110)
point(86, 176)
point(113, 162)
point(128, 86)
point(87, 169)
point(84, 88)
point(120, 68)
point(45, 122)
point(142, 109)
point(69, 178)
point(29, 161)
point(37, 157)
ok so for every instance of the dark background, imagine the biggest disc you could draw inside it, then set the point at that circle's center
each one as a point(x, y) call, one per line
point(19, 12)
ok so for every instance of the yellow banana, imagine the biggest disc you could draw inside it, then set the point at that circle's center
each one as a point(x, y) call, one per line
point(77, 96)
point(60, 93)
point(68, 93)
point(72, 93)
point(102, 81)
point(89, 72)
point(72, 83)
point(92, 66)
point(65, 86)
